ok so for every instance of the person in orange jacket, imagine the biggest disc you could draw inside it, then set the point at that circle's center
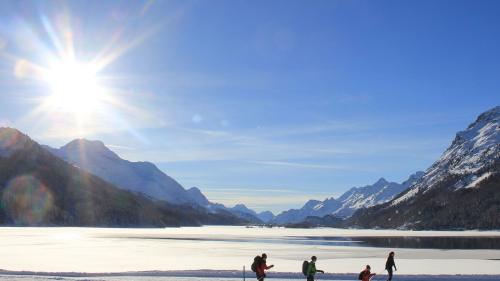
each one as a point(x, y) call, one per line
point(262, 267)
point(366, 274)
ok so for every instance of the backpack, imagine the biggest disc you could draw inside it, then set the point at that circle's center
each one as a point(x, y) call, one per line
point(361, 274)
point(256, 262)
point(305, 267)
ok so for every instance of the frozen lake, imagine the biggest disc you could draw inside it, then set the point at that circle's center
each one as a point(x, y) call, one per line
point(109, 250)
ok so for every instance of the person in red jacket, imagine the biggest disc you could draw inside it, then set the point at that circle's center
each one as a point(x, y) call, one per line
point(262, 267)
point(366, 274)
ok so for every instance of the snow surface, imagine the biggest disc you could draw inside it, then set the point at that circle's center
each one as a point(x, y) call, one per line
point(208, 276)
point(479, 179)
point(94, 250)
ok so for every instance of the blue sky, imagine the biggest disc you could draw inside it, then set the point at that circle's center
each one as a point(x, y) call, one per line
point(268, 103)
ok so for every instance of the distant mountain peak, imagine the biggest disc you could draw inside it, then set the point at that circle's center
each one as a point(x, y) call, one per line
point(198, 197)
point(89, 146)
point(144, 177)
point(417, 174)
point(194, 189)
point(355, 198)
point(243, 208)
point(11, 140)
point(311, 204)
point(266, 216)
point(381, 181)
point(4, 130)
point(79, 141)
point(266, 213)
point(413, 179)
point(489, 115)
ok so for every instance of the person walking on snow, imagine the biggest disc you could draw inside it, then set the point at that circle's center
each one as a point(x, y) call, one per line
point(262, 267)
point(366, 275)
point(389, 264)
point(311, 269)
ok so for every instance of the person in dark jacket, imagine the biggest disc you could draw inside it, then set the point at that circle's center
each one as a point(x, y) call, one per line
point(262, 267)
point(311, 269)
point(389, 264)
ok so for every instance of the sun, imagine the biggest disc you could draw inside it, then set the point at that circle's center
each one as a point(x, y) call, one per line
point(73, 87)
point(74, 91)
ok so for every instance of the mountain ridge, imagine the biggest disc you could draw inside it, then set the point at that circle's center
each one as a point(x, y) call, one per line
point(39, 189)
point(140, 176)
point(458, 191)
point(346, 204)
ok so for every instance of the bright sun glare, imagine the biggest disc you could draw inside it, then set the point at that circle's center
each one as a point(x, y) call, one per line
point(74, 87)
point(75, 94)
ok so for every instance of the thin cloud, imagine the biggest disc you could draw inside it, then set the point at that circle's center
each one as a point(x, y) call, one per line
point(218, 145)
point(239, 190)
point(299, 165)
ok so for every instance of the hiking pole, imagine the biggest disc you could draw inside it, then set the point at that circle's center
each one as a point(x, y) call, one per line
point(244, 277)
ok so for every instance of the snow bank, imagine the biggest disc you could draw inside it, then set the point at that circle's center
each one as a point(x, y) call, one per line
point(216, 275)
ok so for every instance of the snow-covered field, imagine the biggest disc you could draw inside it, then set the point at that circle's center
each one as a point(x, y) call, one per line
point(345, 277)
point(207, 251)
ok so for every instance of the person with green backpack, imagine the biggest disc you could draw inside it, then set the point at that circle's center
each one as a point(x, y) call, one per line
point(309, 268)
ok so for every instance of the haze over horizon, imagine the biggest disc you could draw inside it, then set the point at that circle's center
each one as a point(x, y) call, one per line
point(266, 103)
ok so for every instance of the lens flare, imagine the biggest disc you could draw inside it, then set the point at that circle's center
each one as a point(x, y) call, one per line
point(27, 201)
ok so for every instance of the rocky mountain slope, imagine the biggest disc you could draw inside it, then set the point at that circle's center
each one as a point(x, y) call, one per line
point(460, 190)
point(38, 188)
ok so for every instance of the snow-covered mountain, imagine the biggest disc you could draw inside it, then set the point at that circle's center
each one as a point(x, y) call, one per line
point(380, 192)
point(143, 177)
point(460, 190)
point(355, 198)
point(474, 148)
point(311, 208)
point(77, 198)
